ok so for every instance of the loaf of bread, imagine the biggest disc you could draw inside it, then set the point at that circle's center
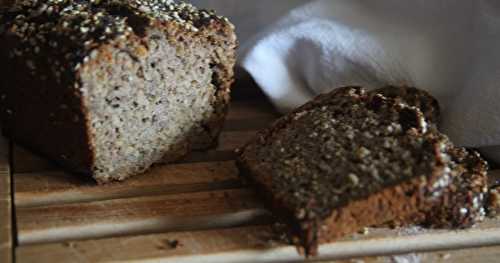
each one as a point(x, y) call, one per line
point(107, 88)
point(351, 159)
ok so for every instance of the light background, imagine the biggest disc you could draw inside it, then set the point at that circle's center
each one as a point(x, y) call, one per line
point(250, 16)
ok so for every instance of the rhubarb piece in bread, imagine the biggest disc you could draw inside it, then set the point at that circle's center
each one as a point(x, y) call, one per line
point(107, 88)
point(347, 160)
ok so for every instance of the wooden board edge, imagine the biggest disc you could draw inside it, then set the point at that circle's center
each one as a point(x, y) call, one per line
point(6, 228)
point(487, 254)
point(254, 244)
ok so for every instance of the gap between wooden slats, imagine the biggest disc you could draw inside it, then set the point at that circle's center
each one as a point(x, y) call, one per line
point(46, 188)
point(132, 216)
point(255, 244)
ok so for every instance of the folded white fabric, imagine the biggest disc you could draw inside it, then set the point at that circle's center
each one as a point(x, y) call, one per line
point(446, 47)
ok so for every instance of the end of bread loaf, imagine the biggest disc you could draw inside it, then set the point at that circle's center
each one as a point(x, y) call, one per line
point(143, 81)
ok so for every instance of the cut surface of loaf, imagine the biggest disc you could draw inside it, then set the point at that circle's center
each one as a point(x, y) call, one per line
point(108, 87)
point(351, 159)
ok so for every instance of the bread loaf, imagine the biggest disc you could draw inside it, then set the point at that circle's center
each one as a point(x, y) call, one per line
point(107, 88)
point(352, 159)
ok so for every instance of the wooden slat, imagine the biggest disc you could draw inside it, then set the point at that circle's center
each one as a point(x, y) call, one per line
point(149, 247)
point(45, 188)
point(251, 109)
point(248, 124)
point(6, 240)
point(138, 215)
point(255, 244)
point(483, 255)
point(25, 161)
point(479, 254)
point(229, 141)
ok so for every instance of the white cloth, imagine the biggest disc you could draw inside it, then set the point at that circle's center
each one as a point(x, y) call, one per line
point(252, 16)
point(449, 48)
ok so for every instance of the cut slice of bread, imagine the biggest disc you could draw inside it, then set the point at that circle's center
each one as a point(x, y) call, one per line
point(351, 159)
point(107, 88)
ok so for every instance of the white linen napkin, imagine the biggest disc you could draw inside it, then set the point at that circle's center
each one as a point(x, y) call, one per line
point(450, 48)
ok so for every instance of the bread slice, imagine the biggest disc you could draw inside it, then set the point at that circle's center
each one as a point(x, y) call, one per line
point(351, 159)
point(107, 88)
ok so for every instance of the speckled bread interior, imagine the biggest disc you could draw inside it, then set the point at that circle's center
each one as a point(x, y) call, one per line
point(115, 86)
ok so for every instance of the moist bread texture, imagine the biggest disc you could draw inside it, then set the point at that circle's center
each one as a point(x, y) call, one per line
point(107, 88)
point(351, 159)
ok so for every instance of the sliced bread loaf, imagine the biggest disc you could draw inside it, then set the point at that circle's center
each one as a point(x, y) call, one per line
point(351, 159)
point(108, 87)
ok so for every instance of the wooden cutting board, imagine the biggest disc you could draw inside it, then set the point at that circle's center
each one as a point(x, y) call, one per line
point(196, 210)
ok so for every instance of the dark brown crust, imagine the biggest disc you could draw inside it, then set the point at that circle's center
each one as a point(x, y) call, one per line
point(46, 113)
point(49, 118)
